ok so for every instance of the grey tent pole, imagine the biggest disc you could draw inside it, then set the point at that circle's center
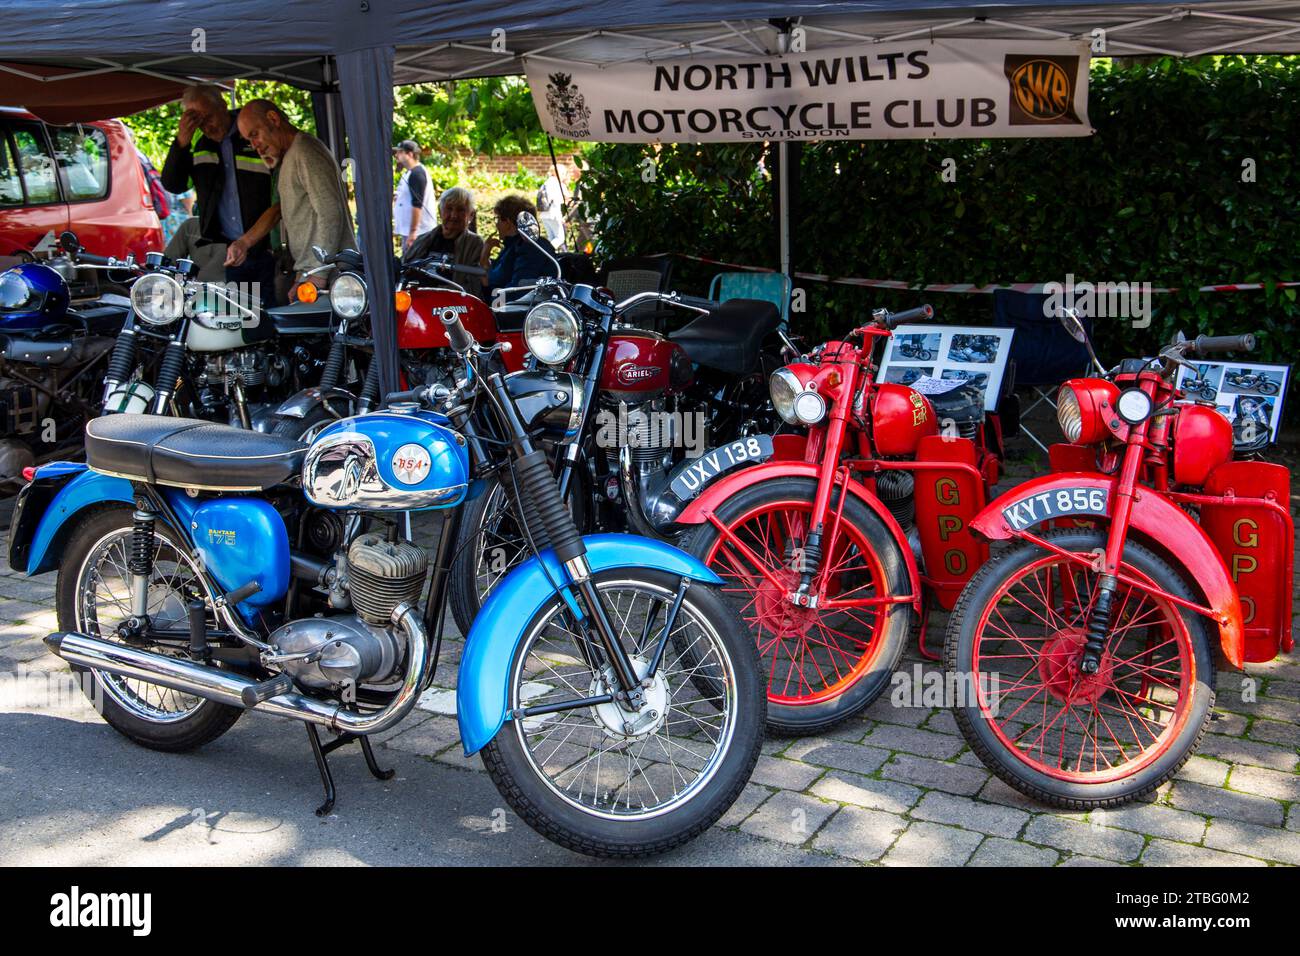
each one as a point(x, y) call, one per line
point(783, 173)
point(366, 81)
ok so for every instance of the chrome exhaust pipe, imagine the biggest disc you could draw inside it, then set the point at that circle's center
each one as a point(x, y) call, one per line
point(227, 688)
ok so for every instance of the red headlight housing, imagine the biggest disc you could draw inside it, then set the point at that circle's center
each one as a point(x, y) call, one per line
point(1083, 408)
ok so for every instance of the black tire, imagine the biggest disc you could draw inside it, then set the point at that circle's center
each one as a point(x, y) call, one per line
point(1070, 795)
point(296, 428)
point(508, 762)
point(813, 718)
point(208, 721)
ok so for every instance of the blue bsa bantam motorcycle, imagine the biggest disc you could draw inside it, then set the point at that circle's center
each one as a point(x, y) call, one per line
point(206, 570)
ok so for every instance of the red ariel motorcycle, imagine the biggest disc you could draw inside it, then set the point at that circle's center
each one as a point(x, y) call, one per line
point(834, 546)
point(1084, 654)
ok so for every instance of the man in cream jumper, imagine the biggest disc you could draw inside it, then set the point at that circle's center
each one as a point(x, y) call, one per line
point(313, 206)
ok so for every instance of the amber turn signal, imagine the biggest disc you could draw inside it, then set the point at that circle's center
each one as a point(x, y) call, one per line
point(307, 292)
point(402, 300)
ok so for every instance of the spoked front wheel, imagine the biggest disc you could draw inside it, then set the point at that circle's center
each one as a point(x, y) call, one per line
point(824, 664)
point(610, 781)
point(1071, 739)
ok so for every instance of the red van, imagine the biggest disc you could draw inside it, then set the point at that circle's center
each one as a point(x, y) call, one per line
point(86, 177)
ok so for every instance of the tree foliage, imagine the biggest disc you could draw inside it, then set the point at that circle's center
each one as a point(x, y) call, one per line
point(1156, 195)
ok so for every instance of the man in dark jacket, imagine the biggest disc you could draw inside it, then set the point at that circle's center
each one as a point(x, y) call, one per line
point(232, 186)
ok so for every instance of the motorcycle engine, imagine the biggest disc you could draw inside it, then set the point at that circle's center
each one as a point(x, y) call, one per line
point(248, 367)
point(360, 648)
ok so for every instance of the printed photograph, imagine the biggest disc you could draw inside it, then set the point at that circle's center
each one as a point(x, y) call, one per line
point(973, 349)
point(914, 348)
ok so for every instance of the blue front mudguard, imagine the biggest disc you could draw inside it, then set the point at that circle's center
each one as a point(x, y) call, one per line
point(483, 685)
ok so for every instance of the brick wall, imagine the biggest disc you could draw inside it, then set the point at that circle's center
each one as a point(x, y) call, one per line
point(538, 164)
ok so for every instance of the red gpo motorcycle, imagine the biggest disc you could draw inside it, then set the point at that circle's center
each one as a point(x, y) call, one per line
point(833, 547)
point(1083, 654)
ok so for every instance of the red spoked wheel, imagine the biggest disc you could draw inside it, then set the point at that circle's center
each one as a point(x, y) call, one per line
point(1014, 646)
point(822, 664)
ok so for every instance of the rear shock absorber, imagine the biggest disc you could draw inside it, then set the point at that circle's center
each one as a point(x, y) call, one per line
point(140, 560)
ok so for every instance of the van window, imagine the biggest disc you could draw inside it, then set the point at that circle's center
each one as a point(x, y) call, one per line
point(82, 152)
point(11, 188)
point(36, 166)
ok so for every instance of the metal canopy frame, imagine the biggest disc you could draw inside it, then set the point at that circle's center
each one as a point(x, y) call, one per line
point(1129, 30)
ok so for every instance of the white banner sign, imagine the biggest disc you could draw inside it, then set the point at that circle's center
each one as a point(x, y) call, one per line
point(916, 90)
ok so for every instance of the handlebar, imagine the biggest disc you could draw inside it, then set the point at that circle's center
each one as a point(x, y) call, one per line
point(1212, 344)
point(919, 314)
point(460, 339)
point(93, 260)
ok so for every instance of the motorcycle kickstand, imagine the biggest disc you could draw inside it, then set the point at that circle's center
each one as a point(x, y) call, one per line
point(319, 751)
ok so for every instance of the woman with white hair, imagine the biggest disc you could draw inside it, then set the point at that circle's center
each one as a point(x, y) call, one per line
point(453, 236)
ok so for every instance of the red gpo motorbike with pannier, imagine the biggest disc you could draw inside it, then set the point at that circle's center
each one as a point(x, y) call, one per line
point(1084, 653)
point(834, 546)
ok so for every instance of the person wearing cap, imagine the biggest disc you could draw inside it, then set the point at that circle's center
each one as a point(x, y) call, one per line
point(413, 214)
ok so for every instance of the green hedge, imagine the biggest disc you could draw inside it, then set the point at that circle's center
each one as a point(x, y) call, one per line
point(1156, 195)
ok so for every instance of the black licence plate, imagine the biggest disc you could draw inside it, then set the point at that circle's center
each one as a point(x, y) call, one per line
point(691, 476)
point(1057, 503)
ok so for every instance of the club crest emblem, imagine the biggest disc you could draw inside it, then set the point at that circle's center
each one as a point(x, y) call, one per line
point(567, 106)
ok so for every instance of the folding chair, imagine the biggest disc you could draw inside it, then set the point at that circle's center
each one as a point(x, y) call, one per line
point(1045, 355)
point(771, 287)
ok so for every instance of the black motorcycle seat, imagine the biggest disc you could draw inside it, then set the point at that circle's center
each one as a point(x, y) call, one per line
point(729, 338)
point(962, 405)
point(188, 453)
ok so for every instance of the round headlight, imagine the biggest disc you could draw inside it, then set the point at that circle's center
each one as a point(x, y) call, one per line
point(1068, 414)
point(809, 407)
point(784, 386)
point(157, 299)
point(348, 296)
point(15, 292)
point(551, 332)
point(1133, 405)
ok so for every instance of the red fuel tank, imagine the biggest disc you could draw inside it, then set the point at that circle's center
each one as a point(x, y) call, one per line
point(420, 326)
point(900, 418)
point(640, 365)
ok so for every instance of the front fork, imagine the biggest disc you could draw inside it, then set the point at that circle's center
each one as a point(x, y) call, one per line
point(1098, 627)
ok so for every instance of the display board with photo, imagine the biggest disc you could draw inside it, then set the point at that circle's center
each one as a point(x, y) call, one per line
point(934, 359)
point(1242, 391)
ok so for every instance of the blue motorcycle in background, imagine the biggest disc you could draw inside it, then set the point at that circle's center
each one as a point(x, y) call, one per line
point(53, 355)
point(205, 570)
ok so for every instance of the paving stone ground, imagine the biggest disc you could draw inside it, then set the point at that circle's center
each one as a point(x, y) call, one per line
point(897, 785)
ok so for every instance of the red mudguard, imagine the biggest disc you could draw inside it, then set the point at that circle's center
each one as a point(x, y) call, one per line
point(946, 501)
point(1257, 542)
point(1159, 520)
point(698, 511)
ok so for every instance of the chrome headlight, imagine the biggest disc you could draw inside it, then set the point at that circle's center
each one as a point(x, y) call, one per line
point(1068, 414)
point(785, 387)
point(15, 291)
point(348, 296)
point(551, 332)
point(157, 299)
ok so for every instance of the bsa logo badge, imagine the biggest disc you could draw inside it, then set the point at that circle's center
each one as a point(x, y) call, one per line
point(567, 106)
point(1042, 90)
point(411, 464)
point(632, 374)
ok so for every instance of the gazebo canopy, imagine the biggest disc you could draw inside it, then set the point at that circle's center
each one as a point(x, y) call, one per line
point(87, 59)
